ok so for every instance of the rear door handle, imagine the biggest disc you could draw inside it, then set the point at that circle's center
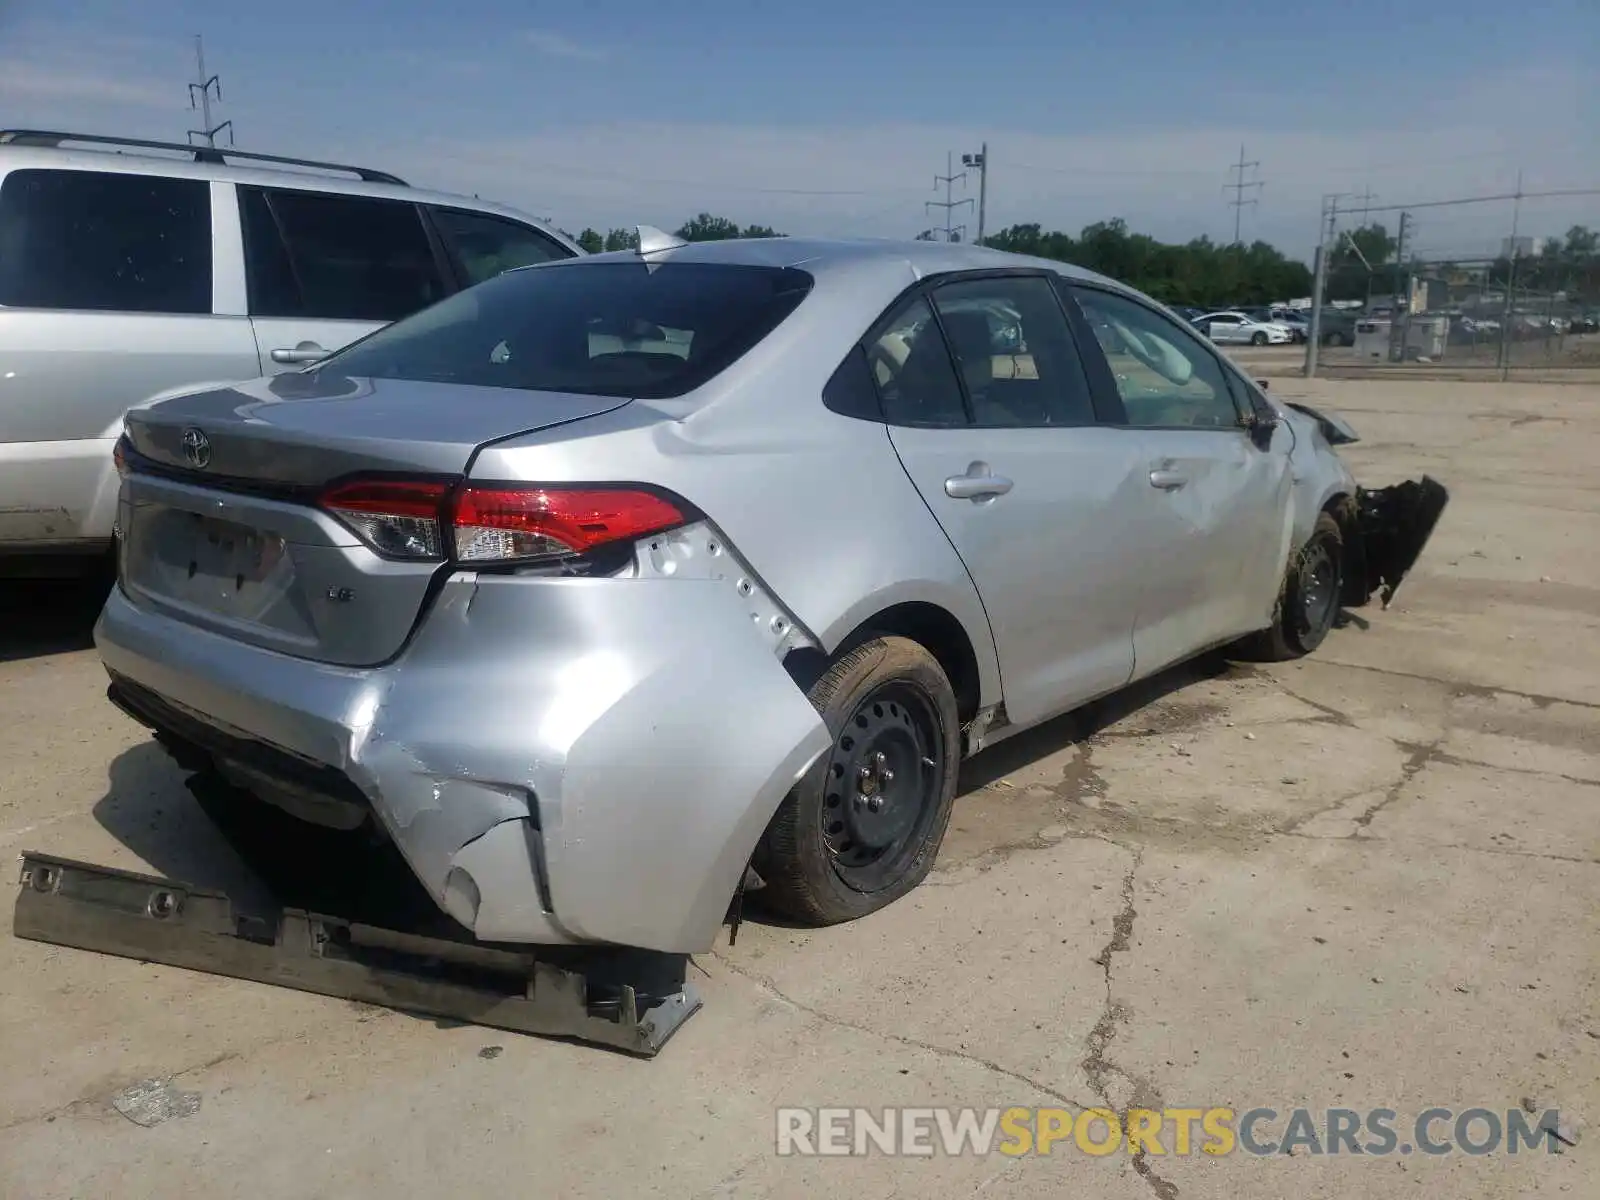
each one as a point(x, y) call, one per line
point(977, 484)
point(1168, 481)
point(305, 352)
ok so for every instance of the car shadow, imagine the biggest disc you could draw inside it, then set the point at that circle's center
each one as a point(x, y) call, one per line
point(1030, 746)
point(49, 616)
point(202, 831)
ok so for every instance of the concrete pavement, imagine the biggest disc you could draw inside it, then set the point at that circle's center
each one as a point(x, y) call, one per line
point(1367, 879)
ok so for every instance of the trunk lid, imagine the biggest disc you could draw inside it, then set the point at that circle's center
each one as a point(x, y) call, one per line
point(304, 429)
point(218, 518)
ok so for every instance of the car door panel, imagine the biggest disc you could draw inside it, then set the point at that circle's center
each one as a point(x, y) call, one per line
point(1049, 557)
point(992, 417)
point(1211, 518)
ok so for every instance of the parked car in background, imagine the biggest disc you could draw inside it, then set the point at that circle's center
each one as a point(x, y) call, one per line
point(126, 272)
point(1337, 327)
point(1236, 328)
point(613, 585)
point(1294, 323)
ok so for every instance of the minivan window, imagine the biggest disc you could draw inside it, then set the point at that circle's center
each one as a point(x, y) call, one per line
point(487, 246)
point(104, 240)
point(599, 328)
point(325, 256)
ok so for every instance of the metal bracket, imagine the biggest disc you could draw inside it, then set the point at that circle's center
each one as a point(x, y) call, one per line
point(145, 917)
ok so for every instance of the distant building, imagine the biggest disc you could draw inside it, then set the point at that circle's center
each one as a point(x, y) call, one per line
point(1521, 247)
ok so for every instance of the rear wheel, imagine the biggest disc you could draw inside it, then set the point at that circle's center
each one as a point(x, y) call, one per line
point(1258, 339)
point(1308, 603)
point(862, 828)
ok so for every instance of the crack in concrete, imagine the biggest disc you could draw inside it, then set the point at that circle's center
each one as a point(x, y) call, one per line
point(772, 989)
point(1418, 756)
point(98, 1099)
point(1097, 1067)
point(1504, 851)
point(1482, 691)
point(1455, 760)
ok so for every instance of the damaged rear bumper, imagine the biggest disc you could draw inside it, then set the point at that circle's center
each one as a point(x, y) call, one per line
point(559, 760)
point(1394, 524)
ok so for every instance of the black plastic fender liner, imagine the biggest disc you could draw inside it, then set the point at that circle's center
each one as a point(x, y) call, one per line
point(1394, 525)
point(151, 919)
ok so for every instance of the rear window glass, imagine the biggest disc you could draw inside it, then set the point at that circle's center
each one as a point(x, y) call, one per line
point(596, 328)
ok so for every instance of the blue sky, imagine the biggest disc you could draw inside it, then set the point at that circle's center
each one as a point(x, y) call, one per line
point(834, 117)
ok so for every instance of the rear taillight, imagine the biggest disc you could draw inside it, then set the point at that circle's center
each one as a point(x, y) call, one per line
point(420, 520)
point(119, 456)
point(397, 518)
point(504, 524)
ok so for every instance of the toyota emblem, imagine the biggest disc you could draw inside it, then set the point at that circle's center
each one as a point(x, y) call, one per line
point(196, 448)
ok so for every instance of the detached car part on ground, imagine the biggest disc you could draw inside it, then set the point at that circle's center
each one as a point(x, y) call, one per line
point(609, 588)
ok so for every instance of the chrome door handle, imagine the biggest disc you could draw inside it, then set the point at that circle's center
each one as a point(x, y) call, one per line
point(1168, 481)
point(976, 485)
point(305, 352)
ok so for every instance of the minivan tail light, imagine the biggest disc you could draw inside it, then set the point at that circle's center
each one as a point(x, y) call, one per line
point(504, 524)
point(397, 518)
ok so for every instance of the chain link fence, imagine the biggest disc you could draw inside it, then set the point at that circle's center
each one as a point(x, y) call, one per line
point(1396, 298)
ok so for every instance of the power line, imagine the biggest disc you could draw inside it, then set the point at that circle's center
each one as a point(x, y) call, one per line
point(949, 205)
point(1238, 187)
point(202, 88)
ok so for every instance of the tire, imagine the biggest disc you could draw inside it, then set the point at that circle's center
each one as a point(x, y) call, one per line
point(1308, 601)
point(1258, 339)
point(827, 856)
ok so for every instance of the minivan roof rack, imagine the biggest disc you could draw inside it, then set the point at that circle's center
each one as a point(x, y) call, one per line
point(203, 154)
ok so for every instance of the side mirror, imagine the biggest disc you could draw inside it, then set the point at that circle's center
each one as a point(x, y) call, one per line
point(1261, 422)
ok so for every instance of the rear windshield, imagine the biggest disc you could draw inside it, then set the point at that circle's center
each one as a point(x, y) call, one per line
point(613, 328)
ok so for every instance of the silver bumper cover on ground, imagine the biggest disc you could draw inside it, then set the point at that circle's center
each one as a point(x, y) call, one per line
point(559, 760)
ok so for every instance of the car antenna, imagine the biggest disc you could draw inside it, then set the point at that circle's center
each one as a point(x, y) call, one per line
point(654, 241)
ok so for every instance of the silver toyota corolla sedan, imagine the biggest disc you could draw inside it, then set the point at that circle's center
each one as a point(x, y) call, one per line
point(613, 586)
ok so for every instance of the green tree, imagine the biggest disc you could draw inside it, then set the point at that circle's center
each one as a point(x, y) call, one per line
point(707, 228)
point(590, 241)
point(1198, 272)
point(621, 239)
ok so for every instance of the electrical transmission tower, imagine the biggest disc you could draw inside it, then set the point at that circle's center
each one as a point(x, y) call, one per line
point(1239, 187)
point(201, 89)
point(952, 233)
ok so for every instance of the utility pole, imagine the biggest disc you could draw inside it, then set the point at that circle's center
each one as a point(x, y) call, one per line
point(1239, 187)
point(980, 160)
point(1366, 198)
point(947, 203)
point(1511, 283)
point(1327, 223)
point(202, 89)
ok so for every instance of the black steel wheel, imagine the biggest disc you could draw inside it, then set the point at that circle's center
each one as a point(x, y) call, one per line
point(1308, 604)
point(1258, 339)
point(864, 825)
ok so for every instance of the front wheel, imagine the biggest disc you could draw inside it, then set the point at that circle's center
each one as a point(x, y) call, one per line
point(1258, 339)
point(1308, 603)
point(861, 829)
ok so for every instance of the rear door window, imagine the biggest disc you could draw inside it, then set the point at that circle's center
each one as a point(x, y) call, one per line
point(107, 241)
point(1015, 352)
point(484, 246)
point(331, 257)
point(594, 328)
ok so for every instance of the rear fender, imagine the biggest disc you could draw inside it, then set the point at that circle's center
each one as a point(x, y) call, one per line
point(643, 730)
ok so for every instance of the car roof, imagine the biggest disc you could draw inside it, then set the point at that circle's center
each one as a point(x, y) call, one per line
point(136, 162)
point(827, 256)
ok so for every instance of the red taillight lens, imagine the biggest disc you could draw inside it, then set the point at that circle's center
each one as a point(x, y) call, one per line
point(502, 524)
point(397, 518)
point(119, 456)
